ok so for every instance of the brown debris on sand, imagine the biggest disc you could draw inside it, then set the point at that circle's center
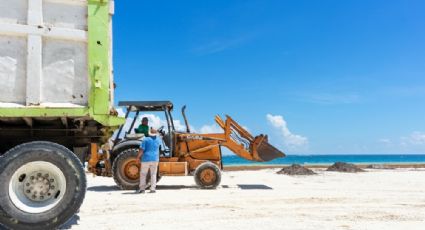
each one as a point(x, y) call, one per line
point(379, 166)
point(344, 167)
point(296, 169)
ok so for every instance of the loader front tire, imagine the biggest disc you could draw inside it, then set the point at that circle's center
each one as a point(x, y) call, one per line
point(126, 170)
point(207, 175)
point(43, 184)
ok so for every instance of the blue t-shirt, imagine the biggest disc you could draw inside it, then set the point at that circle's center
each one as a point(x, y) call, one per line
point(150, 146)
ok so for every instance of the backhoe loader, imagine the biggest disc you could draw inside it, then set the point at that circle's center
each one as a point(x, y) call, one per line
point(182, 153)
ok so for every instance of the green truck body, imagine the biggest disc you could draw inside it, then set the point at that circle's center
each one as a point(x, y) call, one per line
point(29, 114)
point(56, 106)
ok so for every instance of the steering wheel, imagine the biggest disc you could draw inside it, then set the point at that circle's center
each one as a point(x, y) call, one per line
point(161, 131)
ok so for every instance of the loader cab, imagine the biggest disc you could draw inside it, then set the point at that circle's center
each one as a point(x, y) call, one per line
point(134, 109)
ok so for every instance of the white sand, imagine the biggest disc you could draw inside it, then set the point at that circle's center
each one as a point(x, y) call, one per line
point(377, 199)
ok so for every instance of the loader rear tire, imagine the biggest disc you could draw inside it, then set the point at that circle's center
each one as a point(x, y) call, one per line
point(126, 171)
point(207, 175)
point(43, 184)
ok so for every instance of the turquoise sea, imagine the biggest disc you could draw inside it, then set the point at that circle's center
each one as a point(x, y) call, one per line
point(330, 159)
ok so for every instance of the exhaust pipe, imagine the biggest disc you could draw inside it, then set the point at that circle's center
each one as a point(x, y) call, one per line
point(185, 119)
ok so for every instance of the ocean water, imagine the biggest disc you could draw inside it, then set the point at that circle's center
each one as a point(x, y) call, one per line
point(330, 159)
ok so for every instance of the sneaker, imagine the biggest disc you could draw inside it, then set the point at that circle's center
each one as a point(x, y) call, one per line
point(140, 191)
point(152, 191)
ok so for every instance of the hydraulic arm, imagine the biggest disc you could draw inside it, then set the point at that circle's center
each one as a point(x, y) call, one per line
point(236, 139)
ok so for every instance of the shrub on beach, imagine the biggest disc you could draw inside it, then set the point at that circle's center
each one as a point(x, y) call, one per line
point(296, 169)
point(344, 167)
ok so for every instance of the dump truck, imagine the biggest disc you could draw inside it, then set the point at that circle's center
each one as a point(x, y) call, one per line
point(183, 152)
point(57, 113)
point(56, 98)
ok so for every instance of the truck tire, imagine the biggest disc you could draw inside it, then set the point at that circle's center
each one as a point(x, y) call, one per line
point(126, 171)
point(207, 175)
point(43, 184)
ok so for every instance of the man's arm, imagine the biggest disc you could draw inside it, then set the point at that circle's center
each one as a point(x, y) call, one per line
point(139, 155)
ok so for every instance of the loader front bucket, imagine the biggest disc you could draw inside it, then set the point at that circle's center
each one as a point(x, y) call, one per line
point(267, 152)
point(243, 144)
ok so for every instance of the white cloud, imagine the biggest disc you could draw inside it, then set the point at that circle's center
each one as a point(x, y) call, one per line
point(121, 112)
point(154, 120)
point(412, 143)
point(180, 126)
point(214, 128)
point(290, 140)
point(211, 129)
point(385, 141)
point(127, 125)
point(416, 138)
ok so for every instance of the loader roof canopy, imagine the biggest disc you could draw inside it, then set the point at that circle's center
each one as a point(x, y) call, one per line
point(147, 105)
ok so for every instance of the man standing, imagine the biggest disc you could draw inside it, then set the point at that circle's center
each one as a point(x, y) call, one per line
point(149, 157)
point(143, 127)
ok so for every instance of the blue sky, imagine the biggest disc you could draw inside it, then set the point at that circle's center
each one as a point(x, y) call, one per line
point(317, 76)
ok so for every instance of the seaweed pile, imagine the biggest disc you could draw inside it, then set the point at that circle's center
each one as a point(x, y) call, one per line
point(296, 169)
point(344, 167)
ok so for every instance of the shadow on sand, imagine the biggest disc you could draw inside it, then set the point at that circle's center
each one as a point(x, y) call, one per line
point(103, 188)
point(165, 187)
point(110, 188)
point(73, 221)
point(254, 187)
point(175, 187)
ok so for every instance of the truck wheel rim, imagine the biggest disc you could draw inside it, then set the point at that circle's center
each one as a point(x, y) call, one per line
point(131, 169)
point(37, 187)
point(208, 176)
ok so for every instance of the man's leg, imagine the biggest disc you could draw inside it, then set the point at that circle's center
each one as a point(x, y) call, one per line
point(154, 168)
point(143, 173)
